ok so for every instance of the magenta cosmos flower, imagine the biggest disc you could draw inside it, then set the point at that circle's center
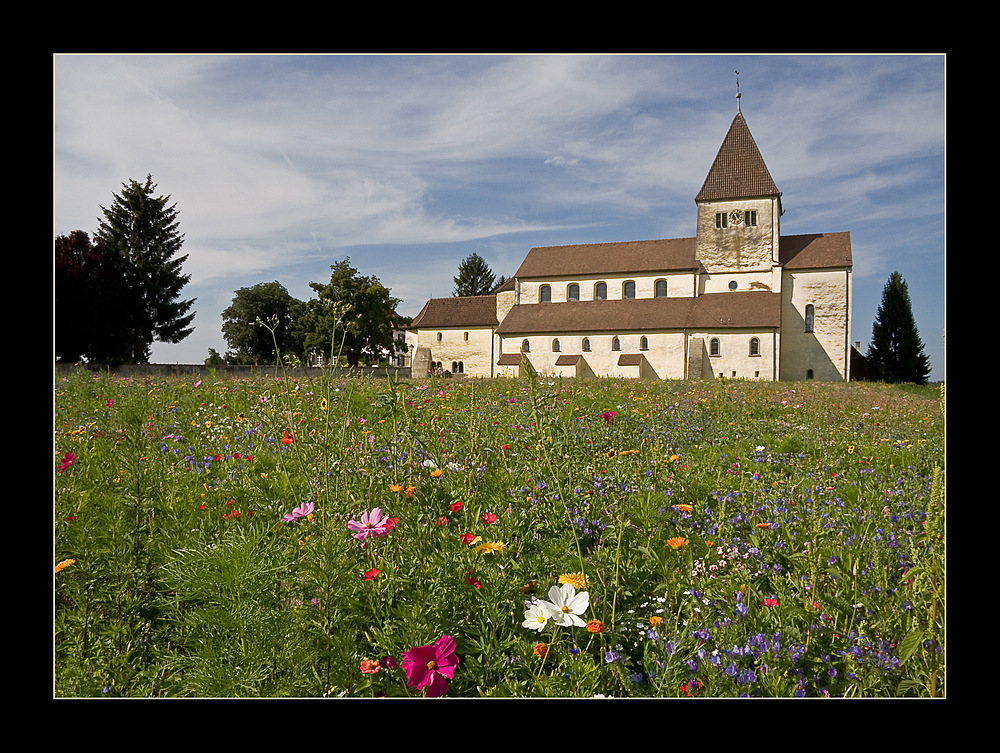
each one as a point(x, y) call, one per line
point(302, 511)
point(427, 667)
point(372, 523)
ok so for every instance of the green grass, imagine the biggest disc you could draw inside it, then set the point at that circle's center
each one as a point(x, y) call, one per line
point(811, 516)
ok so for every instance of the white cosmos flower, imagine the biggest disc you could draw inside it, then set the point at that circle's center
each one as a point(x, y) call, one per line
point(536, 616)
point(566, 605)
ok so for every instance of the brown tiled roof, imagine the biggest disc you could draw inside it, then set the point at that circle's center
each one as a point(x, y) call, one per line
point(815, 251)
point(739, 171)
point(568, 360)
point(509, 359)
point(711, 311)
point(626, 257)
point(459, 311)
point(630, 359)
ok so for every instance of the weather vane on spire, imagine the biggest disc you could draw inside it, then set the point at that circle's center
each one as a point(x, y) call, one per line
point(738, 95)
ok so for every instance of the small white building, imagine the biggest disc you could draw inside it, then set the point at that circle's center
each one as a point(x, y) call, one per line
point(737, 300)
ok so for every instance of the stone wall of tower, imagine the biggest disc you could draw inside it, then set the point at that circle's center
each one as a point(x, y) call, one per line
point(738, 247)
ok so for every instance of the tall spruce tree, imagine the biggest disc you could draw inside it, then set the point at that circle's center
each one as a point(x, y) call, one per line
point(474, 277)
point(896, 353)
point(140, 232)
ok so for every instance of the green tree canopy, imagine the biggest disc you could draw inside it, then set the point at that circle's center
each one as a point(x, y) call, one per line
point(896, 353)
point(474, 277)
point(351, 316)
point(140, 232)
point(259, 317)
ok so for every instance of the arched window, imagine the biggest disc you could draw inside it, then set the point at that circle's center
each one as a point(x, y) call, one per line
point(573, 292)
point(628, 289)
point(661, 288)
point(616, 344)
point(454, 367)
point(466, 336)
point(461, 368)
point(810, 317)
point(601, 291)
point(545, 294)
point(713, 346)
point(643, 343)
point(555, 346)
point(525, 346)
point(439, 337)
point(586, 344)
point(754, 346)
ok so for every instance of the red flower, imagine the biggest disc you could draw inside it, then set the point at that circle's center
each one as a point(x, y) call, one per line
point(472, 580)
point(455, 506)
point(770, 602)
point(690, 688)
point(489, 518)
point(68, 459)
point(608, 416)
point(372, 574)
point(287, 438)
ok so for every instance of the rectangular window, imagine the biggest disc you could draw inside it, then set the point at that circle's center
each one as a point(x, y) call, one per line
point(721, 220)
point(751, 217)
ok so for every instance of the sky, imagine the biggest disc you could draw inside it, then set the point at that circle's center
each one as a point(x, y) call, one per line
point(282, 165)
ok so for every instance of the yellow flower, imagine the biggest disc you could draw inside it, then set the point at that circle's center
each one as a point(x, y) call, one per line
point(488, 547)
point(64, 564)
point(677, 542)
point(577, 580)
point(323, 404)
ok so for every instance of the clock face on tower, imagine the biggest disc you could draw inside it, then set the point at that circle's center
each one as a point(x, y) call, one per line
point(736, 217)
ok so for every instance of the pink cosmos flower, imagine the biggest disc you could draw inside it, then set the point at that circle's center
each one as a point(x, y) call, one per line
point(429, 667)
point(302, 511)
point(68, 459)
point(372, 523)
point(608, 416)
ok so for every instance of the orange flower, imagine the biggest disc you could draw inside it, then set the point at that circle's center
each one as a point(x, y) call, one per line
point(436, 472)
point(64, 564)
point(655, 620)
point(677, 542)
point(370, 666)
point(540, 649)
point(595, 626)
point(396, 488)
point(577, 580)
point(683, 508)
point(763, 525)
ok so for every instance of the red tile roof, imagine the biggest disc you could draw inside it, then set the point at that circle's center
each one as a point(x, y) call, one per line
point(815, 251)
point(739, 171)
point(626, 257)
point(458, 311)
point(712, 311)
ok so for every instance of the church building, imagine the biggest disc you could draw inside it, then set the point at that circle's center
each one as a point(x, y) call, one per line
point(737, 300)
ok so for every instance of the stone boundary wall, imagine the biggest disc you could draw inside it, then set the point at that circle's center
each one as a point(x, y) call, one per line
point(227, 371)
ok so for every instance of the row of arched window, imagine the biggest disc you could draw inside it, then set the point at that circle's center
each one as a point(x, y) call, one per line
point(601, 291)
point(714, 345)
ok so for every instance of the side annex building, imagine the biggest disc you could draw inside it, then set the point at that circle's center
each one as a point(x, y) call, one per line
point(737, 300)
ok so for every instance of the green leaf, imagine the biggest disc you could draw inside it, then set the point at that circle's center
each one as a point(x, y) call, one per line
point(910, 645)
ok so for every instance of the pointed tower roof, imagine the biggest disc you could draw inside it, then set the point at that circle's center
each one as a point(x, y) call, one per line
point(739, 171)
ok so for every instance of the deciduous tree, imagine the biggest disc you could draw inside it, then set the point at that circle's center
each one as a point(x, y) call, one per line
point(351, 316)
point(259, 317)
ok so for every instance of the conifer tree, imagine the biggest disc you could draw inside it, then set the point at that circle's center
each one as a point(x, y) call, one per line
point(140, 231)
point(896, 353)
point(474, 277)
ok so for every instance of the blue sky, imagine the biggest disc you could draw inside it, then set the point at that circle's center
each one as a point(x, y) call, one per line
point(281, 166)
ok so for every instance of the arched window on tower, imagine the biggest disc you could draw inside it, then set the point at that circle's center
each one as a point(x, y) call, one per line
point(601, 291)
point(661, 288)
point(713, 346)
point(573, 292)
point(810, 317)
point(545, 294)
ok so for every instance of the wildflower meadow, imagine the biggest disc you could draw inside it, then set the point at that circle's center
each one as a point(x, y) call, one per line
point(354, 537)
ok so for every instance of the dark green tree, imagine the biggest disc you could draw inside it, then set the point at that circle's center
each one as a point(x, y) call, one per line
point(87, 326)
point(474, 277)
point(896, 353)
point(259, 317)
point(351, 317)
point(140, 231)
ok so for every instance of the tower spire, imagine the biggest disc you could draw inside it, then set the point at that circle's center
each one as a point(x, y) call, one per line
point(738, 95)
